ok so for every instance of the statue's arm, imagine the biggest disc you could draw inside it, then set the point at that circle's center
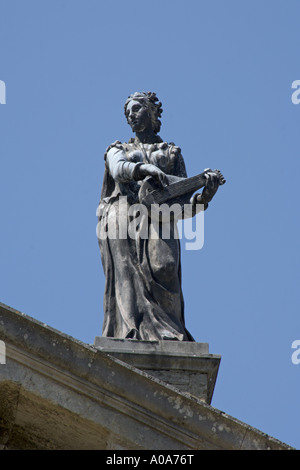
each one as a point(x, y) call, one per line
point(197, 201)
point(213, 180)
point(124, 171)
point(179, 168)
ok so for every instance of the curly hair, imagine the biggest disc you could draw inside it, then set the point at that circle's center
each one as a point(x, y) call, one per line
point(153, 105)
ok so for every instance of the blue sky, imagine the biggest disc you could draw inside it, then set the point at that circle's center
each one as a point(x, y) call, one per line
point(223, 71)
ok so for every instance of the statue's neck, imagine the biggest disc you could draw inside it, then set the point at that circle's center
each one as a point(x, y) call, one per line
point(146, 138)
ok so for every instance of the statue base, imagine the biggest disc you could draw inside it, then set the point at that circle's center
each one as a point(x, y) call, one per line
point(188, 366)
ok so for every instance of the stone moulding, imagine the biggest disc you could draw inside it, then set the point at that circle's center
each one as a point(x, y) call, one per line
point(59, 393)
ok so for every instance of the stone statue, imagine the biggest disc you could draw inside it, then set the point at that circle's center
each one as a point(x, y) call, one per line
point(143, 295)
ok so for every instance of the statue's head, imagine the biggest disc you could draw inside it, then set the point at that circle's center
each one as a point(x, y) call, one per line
point(142, 110)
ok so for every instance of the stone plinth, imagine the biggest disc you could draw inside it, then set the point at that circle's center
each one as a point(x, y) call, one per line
point(188, 366)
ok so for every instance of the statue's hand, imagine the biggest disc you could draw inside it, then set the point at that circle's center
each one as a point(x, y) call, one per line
point(151, 170)
point(213, 180)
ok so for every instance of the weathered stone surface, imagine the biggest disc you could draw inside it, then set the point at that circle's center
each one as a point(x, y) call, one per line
point(59, 393)
point(143, 296)
point(186, 365)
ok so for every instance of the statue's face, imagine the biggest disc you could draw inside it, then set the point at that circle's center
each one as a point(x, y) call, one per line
point(138, 117)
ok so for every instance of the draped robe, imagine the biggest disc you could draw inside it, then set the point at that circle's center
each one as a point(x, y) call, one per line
point(143, 294)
